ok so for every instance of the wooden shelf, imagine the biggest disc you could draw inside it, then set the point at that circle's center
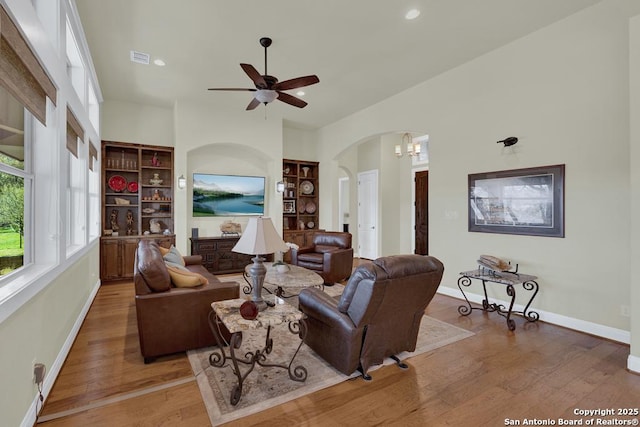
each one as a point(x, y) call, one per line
point(135, 163)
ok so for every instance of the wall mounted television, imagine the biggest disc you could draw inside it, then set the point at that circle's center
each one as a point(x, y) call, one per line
point(227, 195)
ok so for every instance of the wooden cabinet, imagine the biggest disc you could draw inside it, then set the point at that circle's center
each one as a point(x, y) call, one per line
point(137, 198)
point(217, 254)
point(300, 200)
point(117, 255)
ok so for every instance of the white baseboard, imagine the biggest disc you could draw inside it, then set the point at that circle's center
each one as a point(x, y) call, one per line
point(596, 329)
point(633, 364)
point(53, 371)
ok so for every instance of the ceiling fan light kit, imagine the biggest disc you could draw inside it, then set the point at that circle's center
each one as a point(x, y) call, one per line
point(268, 88)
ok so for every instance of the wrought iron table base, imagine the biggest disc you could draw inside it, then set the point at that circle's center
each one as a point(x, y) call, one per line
point(219, 357)
point(529, 315)
point(279, 291)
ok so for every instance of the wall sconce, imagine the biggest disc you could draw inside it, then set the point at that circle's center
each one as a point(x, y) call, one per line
point(182, 182)
point(280, 187)
point(413, 149)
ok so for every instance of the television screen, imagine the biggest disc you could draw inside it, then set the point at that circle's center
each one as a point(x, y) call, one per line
point(227, 195)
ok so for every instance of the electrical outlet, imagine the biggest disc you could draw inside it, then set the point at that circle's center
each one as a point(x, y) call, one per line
point(624, 311)
point(38, 373)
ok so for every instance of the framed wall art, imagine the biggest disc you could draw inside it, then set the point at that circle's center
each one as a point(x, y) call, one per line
point(519, 201)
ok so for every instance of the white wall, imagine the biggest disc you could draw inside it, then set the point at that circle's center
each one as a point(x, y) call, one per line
point(564, 92)
point(137, 123)
point(238, 143)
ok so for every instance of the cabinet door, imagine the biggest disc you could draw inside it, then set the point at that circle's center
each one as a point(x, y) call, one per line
point(128, 255)
point(109, 260)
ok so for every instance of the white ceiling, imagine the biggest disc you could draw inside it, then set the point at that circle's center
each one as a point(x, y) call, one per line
point(363, 51)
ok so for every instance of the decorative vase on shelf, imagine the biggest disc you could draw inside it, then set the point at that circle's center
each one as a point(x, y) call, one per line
point(156, 179)
point(305, 171)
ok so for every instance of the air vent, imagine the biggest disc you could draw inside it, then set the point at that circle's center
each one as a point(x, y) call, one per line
point(140, 57)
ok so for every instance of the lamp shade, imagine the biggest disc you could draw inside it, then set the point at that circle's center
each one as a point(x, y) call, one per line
point(259, 238)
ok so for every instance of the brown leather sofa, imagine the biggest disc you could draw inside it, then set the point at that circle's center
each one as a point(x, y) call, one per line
point(377, 316)
point(172, 319)
point(330, 255)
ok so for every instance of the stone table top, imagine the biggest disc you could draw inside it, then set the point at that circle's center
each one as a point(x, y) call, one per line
point(295, 277)
point(229, 313)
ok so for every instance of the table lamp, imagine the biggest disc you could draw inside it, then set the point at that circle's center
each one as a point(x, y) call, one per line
point(259, 238)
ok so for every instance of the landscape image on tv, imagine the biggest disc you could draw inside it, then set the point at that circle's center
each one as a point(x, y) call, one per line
point(227, 195)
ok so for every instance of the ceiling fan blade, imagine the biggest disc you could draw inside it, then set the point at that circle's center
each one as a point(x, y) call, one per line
point(253, 104)
point(254, 75)
point(291, 100)
point(232, 88)
point(296, 83)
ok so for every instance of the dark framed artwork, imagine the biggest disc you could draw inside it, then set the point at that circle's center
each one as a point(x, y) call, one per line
point(519, 201)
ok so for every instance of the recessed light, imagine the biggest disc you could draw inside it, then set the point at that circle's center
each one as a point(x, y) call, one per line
point(159, 62)
point(300, 93)
point(412, 14)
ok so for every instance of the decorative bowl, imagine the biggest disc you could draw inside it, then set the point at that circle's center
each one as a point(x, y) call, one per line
point(117, 183)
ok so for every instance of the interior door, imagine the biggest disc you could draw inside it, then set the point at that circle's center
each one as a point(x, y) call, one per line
point(368, 214)
point(422, 213)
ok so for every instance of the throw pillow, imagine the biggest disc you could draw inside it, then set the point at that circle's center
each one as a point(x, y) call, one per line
point(174, 256)
point(163, 250)
point(176, 265)
point(186, 279)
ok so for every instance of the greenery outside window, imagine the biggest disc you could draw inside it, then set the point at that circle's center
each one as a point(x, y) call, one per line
point(15, 184)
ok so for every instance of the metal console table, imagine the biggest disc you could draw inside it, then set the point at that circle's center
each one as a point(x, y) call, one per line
point(510, 280)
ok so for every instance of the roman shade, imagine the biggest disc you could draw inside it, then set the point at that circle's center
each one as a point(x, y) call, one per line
point(93, 154)
point(74, 131)
point(21, 73)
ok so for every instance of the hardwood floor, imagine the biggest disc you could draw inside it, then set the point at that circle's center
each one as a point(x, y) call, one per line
point(539, 371)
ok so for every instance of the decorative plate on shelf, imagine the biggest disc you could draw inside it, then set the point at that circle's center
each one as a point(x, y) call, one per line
point(310, 207)
point(311, 224)
point(132, 187)
point(306, 187)
point(301, 206)
point(117, 183)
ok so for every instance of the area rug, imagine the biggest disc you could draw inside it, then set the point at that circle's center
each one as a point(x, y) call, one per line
point(266, 387)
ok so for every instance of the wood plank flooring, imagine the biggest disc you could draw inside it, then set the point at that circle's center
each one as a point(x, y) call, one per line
point(539, 371)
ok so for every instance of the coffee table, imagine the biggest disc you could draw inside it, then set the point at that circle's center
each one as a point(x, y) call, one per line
point(288, 282)
point(227, 312)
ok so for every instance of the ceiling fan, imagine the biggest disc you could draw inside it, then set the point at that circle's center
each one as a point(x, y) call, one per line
point(268, 88)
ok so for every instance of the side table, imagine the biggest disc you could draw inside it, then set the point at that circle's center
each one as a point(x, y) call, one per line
point(510, 280)
point(228, 313)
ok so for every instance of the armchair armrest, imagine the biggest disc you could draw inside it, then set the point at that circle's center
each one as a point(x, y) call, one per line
point(192, 259)
point(295, 252)
point(319, 305)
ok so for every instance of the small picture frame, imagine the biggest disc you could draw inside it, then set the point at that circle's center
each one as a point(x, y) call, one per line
point(289, 206)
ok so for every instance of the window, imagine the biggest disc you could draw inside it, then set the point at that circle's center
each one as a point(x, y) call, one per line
point(75, 67)
point(15, 185)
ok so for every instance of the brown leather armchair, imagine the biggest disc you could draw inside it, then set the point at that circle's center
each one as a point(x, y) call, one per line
point(331, 256)
point(377, 316)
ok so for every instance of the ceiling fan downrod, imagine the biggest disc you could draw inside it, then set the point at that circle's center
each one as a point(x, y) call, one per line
point(265, 42)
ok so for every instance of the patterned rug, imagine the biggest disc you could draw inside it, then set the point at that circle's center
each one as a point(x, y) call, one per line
point(266, 387)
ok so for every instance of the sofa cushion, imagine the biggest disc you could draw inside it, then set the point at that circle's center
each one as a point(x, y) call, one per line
point(185, 278)
point(174, 256)
point(151, 267)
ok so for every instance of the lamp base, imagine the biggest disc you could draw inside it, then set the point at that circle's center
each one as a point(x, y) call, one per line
point(257, 273)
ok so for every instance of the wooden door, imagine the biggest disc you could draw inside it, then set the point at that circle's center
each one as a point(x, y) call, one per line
point(422, 213)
